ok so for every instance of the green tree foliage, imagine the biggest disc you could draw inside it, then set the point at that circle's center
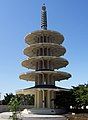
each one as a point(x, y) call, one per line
point(14, 106)
point(26, 99)
point(80, 95)
point(76, 97)
point(7, 98)
point(63, 99)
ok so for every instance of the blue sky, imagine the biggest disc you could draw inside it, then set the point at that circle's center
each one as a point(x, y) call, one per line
point(19, 17)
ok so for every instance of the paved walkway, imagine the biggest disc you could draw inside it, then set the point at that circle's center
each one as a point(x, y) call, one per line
point(5, 116)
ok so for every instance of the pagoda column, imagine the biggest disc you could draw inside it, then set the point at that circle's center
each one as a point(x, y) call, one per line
point(48, 79)
point(38, 100)
point(43, 99)
point(43, 64)
point(38, 79)
point(48, 98)
point(35, 99)
point(48, 64)
point(52, 99)
point(42, 78)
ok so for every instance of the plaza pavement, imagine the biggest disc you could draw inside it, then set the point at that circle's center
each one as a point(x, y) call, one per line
point(6, 115)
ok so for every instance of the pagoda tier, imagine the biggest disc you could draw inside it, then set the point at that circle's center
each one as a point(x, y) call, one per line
point(45, 62)
point(31, 90)
point(47, 76)
point(41, 36)
point(44, 49)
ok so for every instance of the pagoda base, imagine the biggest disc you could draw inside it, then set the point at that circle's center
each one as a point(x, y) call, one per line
point(46, 111)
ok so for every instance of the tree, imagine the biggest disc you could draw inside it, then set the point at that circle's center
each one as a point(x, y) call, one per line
point(14, 106)
point(26, 99)
point(63, 99)
point(76, 97)
point(7, 98)
point(80, 95)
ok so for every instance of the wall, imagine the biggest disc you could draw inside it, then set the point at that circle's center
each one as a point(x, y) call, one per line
point(4, 108)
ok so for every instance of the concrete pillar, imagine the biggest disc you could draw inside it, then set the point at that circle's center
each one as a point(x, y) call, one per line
point(42, 78)
point(51, 52)
point(39, 99)
point(48, 80)
point(48, 64)
point(38, 65)
point(43, 64)
point(51, 65)
point(48, 99)
point(52, 99)
point(37, 96)
point(39, 52)
point(38, 79)
point(35, 104)
point(43, 51)
point(53, 81)
point(43, 99)
point(47, 51)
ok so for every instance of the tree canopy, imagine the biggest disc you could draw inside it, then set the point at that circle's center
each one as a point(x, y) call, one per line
point(80, 95)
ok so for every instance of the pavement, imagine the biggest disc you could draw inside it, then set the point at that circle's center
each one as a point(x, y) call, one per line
point(6, 116)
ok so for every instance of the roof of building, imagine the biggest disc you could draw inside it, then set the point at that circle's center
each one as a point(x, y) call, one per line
point(48, 87)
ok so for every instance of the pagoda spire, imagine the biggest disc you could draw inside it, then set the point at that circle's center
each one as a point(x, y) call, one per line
point(43, 18)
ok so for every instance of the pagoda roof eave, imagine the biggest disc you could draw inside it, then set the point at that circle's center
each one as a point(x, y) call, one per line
point(58, 62)
point(30, 76)
point(59, 38)
point(38, 32)
point(32, 90)
point(58, 50)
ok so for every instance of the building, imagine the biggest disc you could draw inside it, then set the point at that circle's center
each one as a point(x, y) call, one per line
point(44, 51)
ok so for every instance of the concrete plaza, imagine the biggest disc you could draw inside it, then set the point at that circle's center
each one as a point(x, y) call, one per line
point(6, 115)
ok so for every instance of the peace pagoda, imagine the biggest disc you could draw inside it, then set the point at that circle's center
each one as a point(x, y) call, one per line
point(44, 50)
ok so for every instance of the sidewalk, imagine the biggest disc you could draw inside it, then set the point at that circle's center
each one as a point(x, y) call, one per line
point(6, 115)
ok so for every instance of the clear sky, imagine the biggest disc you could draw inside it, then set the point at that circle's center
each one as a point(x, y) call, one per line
point(19, 17)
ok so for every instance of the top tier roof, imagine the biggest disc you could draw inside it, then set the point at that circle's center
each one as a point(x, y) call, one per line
point(51, 36)
point(54, 36)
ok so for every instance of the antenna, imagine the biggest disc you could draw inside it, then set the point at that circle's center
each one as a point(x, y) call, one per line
point(43, 18)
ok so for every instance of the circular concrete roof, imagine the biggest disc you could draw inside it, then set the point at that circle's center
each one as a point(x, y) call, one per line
point(57, 75)
point(31, 38)
point(56, 62)
point(57, 50)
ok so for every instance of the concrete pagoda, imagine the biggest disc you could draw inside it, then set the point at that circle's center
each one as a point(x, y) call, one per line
point(44, 51)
